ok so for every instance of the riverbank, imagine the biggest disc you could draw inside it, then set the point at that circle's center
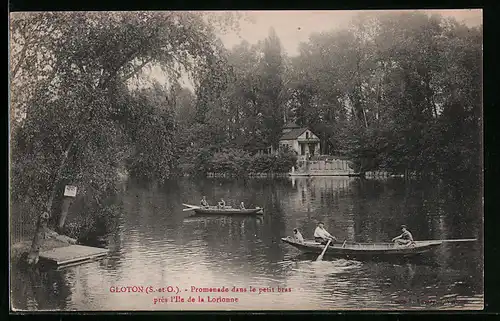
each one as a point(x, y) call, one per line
point(249, 175)
point(52, 241)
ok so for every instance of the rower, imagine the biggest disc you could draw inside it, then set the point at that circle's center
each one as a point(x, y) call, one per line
point(222, 204)
point(321, 235)
point(405, 238)
point(242, 206)
point(204, 202)
point(298, 237)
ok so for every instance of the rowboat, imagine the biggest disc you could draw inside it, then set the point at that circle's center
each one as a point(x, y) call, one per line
point(221, 219)
point(227, 210)
point(369, 249)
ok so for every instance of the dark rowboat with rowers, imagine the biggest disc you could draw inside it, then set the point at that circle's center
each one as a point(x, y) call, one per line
point(369, 249)
point(227, 210)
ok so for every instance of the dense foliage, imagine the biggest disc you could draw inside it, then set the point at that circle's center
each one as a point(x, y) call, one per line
point(238, 162)
point(71, 77)
point(395, 91)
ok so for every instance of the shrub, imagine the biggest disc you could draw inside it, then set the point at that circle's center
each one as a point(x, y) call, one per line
point(239, 162)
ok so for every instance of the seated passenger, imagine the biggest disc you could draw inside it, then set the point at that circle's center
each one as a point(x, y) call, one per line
point(298, 236)
point(405, 238)
point(204, 202)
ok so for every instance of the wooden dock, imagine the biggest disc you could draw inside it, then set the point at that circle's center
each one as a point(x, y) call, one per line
point(72, 254)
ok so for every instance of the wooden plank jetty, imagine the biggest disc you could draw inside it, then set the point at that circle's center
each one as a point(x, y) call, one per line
point(72, 254)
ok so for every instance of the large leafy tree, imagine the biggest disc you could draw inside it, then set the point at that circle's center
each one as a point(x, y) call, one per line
point(80, 124)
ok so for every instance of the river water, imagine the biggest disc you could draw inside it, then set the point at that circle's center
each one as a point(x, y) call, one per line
point(157, 244)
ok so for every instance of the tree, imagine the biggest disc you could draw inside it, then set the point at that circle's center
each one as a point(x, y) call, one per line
point(271, 89)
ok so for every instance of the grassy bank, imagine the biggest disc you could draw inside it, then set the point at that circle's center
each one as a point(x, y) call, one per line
point(52, 241)
point(17, 249)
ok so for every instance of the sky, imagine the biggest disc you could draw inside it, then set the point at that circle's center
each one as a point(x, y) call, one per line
point(294, 27)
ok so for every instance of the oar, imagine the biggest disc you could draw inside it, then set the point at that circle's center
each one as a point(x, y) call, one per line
point(449, 241)
point(458, 240)
point(320, 257)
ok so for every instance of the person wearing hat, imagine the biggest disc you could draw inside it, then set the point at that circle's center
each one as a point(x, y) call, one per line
point(204, 202)
point(321, 235)
point(405, 238)
point(298, 236)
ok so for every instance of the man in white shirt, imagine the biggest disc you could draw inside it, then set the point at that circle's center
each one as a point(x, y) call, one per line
point(321, 235)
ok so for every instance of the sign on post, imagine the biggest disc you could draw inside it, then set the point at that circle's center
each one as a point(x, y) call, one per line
point(70, 191)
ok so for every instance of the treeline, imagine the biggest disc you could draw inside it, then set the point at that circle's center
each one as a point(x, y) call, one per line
point(397, 92)
point(392, 91)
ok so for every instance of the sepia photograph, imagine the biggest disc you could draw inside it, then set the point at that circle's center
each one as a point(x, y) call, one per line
point(246, 160)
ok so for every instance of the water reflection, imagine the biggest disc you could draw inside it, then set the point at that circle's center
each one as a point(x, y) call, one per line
point(156, 243)
point(37, 289)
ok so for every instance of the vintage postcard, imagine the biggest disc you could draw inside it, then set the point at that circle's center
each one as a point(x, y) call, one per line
point(246, 160)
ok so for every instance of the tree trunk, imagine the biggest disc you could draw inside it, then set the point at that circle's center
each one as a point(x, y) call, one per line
point(41, 227)
point(58, 176)
point(20, 62)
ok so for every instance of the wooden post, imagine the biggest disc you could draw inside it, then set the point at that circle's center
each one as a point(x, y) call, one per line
point(64, 212)
point(69, 196)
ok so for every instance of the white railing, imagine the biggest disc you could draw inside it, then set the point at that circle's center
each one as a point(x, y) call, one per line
point(332, 164)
